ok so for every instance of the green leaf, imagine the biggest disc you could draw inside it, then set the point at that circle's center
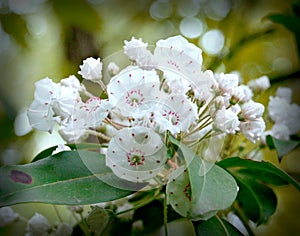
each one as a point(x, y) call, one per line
point(282, 147)
point(48, 152)
point(262, 171)
point(255, 196)
point(15, 26)
point(200, 190)
point(215, 226)
point(97, 220)
point(70, 178)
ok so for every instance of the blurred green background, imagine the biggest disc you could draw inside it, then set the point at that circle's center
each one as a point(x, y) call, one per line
point(40, 38)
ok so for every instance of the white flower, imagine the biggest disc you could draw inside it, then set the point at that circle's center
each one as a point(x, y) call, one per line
point(40, 112)
point(284, 113)
point(85, 115)
point(176, 54)
point(72, 82)
point(65, 101)
point(242, 93)
point(7, 216)
point(227, 83)
point(21, 123)
point(91, 69)
point(260, 84)
point(175, 113)
point(137, 51)
point(136, 154)
point(253, 129)
point(133, 87)
point(252, 110)
point(227, 121)
point(280, 131)
point(176, 84)
point(284, 93)
point(96, 110)
point(202, 85)
point(113, 68)
point(37, 225)
point(75, 128)
point(276, 107)
point(61, 148)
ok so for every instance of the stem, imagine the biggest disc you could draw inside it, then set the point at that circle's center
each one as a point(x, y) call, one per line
point(208, 134)
point(100, 82)
point(166, 215)
point(98, 134)
point(221, 222)
point(114, 124)
point(138, 205)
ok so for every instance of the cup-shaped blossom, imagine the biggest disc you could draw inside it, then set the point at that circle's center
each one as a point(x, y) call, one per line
point(137, 51)
point(242, 93)
point(84, 116)
point(260, 84)
point(136, 154)
point(91, 69)
point(253, 129)
point(131, 88)
point(227, 83)
point(7, 216)
point(40, 113)
point(38, 225)
point(284, 93)
point(72, 82)
point(174, 113)
point(178, 55)
point(202, 85)
point(252, 110)
point(280, 111)
point(279, 131)
point(227, 121)
point(96, 110)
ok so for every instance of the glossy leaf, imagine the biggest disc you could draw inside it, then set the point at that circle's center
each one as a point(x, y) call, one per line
point(282, 147)
point(215, 226)
point(200, 190)
point(70, 177)
point(256, 197)
point(48, 152)
point(265, 172)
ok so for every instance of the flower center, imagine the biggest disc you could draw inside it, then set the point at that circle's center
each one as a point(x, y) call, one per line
point(134, 98)
point(172, 116)
point(136, 157)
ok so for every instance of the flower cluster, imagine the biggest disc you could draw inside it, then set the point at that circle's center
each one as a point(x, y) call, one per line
point(161, 93)
point(285, 123)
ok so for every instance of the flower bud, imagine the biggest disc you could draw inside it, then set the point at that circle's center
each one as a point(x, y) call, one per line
point(91, 69)
point(7, 216)
point(37, 225)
